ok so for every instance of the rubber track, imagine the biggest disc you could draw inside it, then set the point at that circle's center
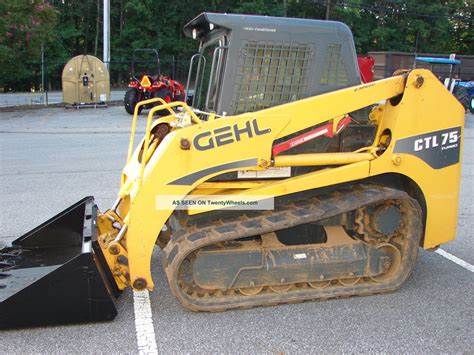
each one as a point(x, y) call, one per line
point(186, 241)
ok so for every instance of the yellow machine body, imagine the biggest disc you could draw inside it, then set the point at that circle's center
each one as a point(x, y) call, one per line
point(418, 123)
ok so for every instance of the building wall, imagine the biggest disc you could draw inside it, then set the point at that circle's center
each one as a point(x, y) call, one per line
point(387, 62)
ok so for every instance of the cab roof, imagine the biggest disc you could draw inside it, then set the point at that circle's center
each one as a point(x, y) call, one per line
point(207, 22)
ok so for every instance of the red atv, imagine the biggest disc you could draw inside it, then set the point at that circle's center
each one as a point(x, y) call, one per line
point(151, 86)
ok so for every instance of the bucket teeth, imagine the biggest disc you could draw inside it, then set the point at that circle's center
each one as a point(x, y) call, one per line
point(54, 273)
point(5, 266)
point(8, 255)
point(2, 277)
point(9, 258)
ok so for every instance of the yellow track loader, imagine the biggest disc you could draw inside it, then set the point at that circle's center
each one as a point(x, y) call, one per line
point(352, 203)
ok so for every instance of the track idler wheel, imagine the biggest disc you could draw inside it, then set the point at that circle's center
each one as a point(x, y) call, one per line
point(319, 284)
point(250, 291)
point(391, 265)
point(281, 288)
point(349, 281)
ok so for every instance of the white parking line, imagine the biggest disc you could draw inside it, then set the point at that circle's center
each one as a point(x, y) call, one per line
point(146, 340)
point(456, 260)
point(145, 330)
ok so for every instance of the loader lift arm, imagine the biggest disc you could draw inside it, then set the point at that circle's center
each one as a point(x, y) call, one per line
point(206, 154)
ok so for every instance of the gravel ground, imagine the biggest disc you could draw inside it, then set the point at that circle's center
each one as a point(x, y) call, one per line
point(51, 158)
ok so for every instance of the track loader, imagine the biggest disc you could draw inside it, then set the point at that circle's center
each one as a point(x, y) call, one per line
point(353, 202)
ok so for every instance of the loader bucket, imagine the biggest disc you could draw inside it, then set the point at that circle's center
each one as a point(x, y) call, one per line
point(56, 273)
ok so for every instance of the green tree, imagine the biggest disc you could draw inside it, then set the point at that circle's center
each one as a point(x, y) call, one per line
point(24, 26)
point(68, 28)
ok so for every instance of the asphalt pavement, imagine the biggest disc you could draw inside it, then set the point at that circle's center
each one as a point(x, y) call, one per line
point(51, 158)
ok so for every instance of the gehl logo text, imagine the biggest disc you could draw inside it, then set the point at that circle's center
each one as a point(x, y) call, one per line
point(228, 134)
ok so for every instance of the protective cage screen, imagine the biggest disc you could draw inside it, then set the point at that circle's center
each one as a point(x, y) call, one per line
point(334, 71)
point(269, 74)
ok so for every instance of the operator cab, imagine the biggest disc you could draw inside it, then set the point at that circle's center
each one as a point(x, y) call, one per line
point(248, 63)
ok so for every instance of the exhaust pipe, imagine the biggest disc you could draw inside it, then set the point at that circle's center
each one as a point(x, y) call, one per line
point(57, 274)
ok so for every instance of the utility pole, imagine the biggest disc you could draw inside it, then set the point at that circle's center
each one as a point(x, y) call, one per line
point(43, 86)
point(42, 67)
point(106, 51)
point(328, 7)
point(416, 48)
